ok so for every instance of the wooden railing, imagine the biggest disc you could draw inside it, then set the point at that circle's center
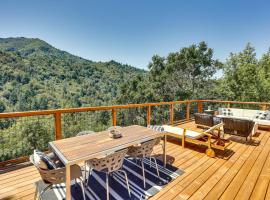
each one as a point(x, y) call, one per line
point(57, 114)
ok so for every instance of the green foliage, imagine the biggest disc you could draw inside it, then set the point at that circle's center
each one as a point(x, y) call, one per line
point(36, 76)
point(245, 78)
point(181, 75)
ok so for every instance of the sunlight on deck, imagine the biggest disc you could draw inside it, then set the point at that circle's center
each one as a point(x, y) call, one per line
point(241, 172)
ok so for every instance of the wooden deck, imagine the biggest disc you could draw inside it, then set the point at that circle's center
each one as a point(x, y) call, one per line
point(241, 172)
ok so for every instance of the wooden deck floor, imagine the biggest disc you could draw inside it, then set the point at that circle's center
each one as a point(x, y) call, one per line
point(242, 172)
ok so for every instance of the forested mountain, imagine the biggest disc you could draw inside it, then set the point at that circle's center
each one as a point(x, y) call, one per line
point(35, 75)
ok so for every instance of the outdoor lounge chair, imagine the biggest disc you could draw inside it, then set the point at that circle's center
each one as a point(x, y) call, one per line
point(57, 176)
point(207, 138)
point(109, 164)
point(239, 127)
point(142, 151)
point(204, 120)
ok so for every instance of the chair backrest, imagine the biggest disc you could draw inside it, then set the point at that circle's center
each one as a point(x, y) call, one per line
point(55, 176)
point(84, 133)
point(204, 119)
point(110, 163)
point(240, 127)
point(157, 128)
point(144, 150)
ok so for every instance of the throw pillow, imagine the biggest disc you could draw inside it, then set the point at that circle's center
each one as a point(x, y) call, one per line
point(261, 115)
point(267, 115)
point(227, 112)
point(156, 128)
point(43, 161)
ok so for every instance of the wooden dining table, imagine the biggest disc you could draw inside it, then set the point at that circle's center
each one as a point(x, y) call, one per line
point(78, 149)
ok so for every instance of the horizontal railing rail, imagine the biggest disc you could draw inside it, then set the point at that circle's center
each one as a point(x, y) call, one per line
point(57, 114)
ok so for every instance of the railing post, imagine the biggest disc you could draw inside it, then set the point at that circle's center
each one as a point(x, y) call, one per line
point(114, 117)
point(58, 126)
point(187, 110)
point(172, 114)
point(148, 115)
point(263, 107)
point(200, 107)
point(228, 105)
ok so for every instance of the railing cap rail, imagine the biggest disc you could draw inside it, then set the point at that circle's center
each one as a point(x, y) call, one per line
point(127, 106)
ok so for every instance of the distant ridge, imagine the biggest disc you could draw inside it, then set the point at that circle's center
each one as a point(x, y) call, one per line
point(37, 75)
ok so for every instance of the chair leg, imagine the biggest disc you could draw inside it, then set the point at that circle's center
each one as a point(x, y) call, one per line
point(155, 160)
point(85, 172)
point(143, 173)
point(107, 186)
point(44, 190)
point(81, 183)
point(89, 173)
point(126, 177)
point(36, 192)
point(125, 173)
point(162, 146)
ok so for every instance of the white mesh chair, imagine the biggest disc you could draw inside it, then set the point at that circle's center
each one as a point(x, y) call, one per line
point(109, 164)
point(57, 176)
point(144, 151)
point(80, 134)
point(160, 129)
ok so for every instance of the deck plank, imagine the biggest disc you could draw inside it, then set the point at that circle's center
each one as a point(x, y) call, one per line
point(260, 189)
point(232, 190)
point(215, 186)
point(220, 167)
point(248, 185)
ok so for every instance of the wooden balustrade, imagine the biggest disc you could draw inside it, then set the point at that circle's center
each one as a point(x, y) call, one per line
point(58, 112)
point(148, 115)
point(200, 107)
point(188, 111)
point(58, 126)
point(114, 117)
point(171, 114)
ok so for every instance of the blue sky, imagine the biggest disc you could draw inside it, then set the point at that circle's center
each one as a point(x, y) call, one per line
point(132, 31)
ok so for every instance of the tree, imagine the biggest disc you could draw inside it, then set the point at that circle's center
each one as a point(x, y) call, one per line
point(2, 106)
point(183, 74)
point(242, 81)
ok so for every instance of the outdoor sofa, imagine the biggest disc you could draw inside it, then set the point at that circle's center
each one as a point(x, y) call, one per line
point(259, 117)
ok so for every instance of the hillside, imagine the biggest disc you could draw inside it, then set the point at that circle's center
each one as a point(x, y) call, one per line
point(35, 75)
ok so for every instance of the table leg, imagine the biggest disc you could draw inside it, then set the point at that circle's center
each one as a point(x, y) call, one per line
point(164, 151)
point(68, 185)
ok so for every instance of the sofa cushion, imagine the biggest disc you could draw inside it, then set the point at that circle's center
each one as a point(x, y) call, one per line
point(249, 113)
point(179, 131)
point(262, 122)
point(237, 112)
